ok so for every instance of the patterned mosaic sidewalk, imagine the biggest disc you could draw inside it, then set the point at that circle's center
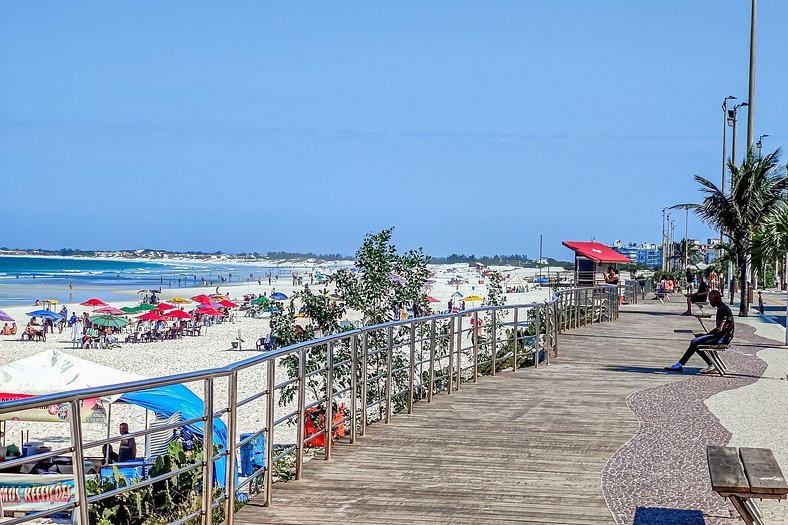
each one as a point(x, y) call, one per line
point(660, 476)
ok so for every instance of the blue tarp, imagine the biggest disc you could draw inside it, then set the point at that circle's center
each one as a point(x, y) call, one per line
point(168, 400)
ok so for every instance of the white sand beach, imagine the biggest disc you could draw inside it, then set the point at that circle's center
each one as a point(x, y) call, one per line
point(211, 350)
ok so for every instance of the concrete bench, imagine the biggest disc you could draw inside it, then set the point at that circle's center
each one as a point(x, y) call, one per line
point(743, 475)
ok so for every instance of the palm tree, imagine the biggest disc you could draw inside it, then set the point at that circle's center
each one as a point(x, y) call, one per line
point(693, 253)
point(770, 240)
point(758, 190)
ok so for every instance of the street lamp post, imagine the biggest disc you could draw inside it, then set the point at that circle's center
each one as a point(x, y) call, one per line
point(733, 119)
point(759, 145)
point(663, 239)
point(724, 147)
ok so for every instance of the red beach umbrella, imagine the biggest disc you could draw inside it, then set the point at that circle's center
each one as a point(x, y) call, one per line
point(165, 306)
point(202, 299)
point(431, 299)
point(178, 314)
point(228, 304)
point(153, 315)
point(94, 302)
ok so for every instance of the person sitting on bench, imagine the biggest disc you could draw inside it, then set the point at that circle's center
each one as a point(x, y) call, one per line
point(721, 334)
point(697, 297)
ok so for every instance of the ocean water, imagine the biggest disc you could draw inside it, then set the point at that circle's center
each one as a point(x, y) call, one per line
point(25, 279)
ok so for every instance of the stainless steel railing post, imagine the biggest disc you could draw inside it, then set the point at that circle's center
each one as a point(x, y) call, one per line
point(232, 428)
point(494, 340)
point(412, 366)
point(329, 425)
point(353, 386)
point(538, 335)
point(364, 382)
point(207, 454)
point(433, 342)
point(592, 291)
point(450, 370)
point(475, 339)
point(300, 418)
point(516, 332)
point(459, 351)
point(268, 474)
point(78, 462)
point(389, 369)
point(577, 308)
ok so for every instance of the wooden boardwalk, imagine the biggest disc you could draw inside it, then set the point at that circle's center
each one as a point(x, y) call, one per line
point(524, 447)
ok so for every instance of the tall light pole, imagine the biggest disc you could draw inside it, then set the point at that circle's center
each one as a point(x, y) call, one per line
point(733, 119)
point(751, 92)
point(724, 143)
point(759, 144)
point(663, 239)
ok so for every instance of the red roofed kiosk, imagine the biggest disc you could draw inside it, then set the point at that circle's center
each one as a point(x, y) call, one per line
point(592, 260)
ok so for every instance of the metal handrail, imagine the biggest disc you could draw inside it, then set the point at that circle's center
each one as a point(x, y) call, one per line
point(440, 345)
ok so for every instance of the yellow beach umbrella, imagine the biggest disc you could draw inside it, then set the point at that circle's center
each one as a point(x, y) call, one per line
point(179, 300)
point(472, 298)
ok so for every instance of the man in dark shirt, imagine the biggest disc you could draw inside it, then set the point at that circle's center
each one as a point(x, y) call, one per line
point(722, 333)
point(697, 297)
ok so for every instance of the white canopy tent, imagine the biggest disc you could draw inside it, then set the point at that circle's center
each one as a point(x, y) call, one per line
point(54, 371)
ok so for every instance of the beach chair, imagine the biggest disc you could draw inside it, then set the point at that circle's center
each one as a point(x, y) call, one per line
point(157, 442)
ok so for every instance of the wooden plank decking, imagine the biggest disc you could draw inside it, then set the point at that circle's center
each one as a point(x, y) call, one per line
point(524, 447)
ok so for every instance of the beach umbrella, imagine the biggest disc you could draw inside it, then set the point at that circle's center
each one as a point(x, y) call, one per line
point(165, 306)
point(260, 300)
point(473, 298)
point(180, 300)
point(46, 313)
point(218, 297)
point(4, 316)
point(109, 320)
point(131, 309)
point(177, 314)
point(278, 296)
point(210, 311)
point(458, 294)
point(334, 296)
point(202, 299)
point(94, 302)
point(145, 307)
point(110, 310)
point(209, 305)
point(431, 299)
point(228, 303)
point(152, 316)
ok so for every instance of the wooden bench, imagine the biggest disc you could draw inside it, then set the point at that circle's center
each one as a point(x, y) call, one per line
point(744, 474)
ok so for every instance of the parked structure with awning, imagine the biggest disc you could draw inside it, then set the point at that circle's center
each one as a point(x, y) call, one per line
point(592, 260)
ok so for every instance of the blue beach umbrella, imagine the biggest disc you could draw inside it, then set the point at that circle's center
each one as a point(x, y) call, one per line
point(46, 314)
point(278, 296)
point(5, 317)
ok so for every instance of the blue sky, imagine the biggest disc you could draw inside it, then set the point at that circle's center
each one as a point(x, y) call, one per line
point(471, 127)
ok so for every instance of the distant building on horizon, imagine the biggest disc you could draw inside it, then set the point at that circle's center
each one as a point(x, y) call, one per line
point(646, 254)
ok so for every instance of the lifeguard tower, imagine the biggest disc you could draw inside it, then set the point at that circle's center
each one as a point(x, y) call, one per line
point(592, 260)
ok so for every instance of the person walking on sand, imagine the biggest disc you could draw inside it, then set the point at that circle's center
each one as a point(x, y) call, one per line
point(721, 334)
